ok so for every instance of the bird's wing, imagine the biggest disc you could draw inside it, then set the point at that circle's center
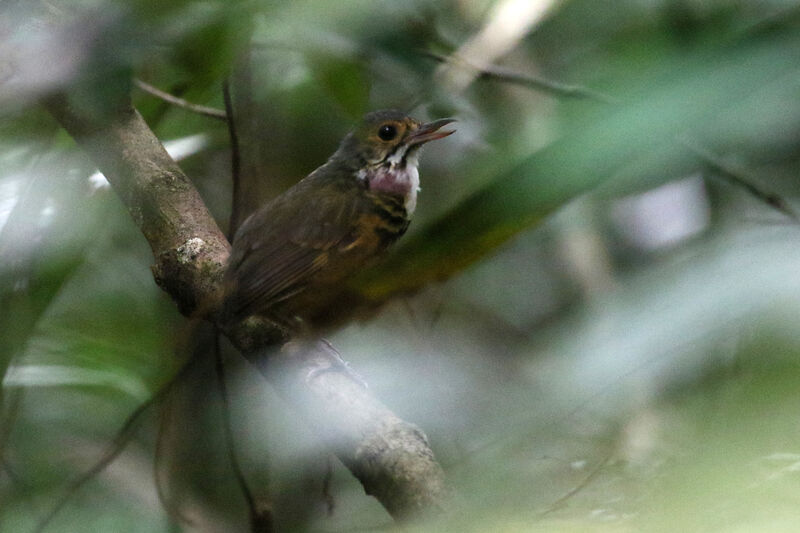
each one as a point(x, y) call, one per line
point(285, 242)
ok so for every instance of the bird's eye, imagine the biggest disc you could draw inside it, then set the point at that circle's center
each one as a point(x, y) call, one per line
point(387, 132)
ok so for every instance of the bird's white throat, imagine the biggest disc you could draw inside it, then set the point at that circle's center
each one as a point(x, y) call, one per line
point(396, 178)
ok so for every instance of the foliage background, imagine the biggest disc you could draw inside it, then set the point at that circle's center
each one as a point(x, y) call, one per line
point(627, 361)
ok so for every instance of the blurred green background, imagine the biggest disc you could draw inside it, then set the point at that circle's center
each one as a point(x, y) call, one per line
point(596, 331)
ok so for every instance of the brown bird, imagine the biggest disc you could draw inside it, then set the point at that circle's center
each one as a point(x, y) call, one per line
point(296, 250)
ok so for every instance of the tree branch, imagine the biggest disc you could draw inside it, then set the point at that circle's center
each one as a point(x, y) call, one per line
point(390, 457)
point(180, 102)
point(498, 73)
point(738, 177)
point(189, 249)
point(236, 159)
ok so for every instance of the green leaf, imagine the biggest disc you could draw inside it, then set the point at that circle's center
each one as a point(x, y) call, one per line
point(345, 80)
point(682, 96)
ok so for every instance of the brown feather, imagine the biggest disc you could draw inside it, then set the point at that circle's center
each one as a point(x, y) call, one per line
point(317, 225)
point(294, 251)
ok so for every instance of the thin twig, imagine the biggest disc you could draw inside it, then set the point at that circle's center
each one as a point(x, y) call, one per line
point(11, 403)
point(236, 159)
point(180, 102)
point(260, 512)
point(246, 130)
point(327, 495)
point(712, 161)
point(260, 516)
point(579, 487)
point(114, 448)
point(495, 72)
point(739, 177)
point(172, 508)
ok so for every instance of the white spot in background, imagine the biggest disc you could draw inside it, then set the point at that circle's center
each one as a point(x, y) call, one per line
point(663, 216)
point(293, 75)
point(9, 195)
point(578, 465)
point(47, 213)
point(98, 181)
point(508, 22)
point(186, 146)
point(178, 149)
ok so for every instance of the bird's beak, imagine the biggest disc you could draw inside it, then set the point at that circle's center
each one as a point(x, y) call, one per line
point(430, 132)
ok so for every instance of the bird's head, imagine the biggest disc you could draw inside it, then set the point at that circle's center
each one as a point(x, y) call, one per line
point(389, 138)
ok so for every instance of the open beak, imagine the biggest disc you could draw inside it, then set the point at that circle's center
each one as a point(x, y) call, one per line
point(430, 132)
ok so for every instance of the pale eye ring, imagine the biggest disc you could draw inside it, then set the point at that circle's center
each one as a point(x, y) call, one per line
point(387, 132)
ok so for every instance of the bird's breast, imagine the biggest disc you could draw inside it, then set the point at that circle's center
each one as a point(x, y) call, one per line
point(396, 181)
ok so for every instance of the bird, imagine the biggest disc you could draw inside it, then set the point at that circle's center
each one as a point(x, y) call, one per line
point(298, 249)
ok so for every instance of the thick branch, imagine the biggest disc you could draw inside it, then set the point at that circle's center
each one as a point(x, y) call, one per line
point(189, 249)
point(389, 456)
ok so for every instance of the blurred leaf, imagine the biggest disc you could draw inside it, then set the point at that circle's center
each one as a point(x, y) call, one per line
point(207, 37)
point(684, 96)
point(346, 81)
point(570, 343)
point(60, 376)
